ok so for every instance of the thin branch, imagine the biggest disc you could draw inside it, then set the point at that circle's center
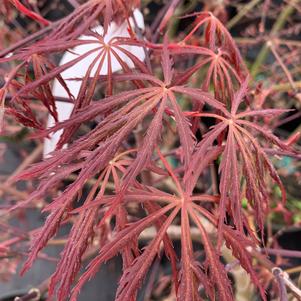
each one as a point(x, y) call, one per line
point(242, 13)
point(29, 39)
point(282, 65)
point(284, 253)
point(284, 281)
point(278, 25)
point(277, 272)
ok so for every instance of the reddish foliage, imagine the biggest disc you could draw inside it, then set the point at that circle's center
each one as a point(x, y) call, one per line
point(23, 9)
point(135, 97)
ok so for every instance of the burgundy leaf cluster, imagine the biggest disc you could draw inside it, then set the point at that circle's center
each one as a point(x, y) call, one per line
point(196, 90)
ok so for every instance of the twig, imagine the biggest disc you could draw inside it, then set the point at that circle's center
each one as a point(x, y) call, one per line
point(288, 119)
point(9, 189)
point(242, 12)
point(285, 87)
point(32, 295)
point(57, 98)
point(27, 161)
point(277, 272)
point(284, 281)
point(271, 45)
point(294, 270)
point(174, 232)
point(35, 294)
point(284, 253)
point(288, 10)
point(28, 39)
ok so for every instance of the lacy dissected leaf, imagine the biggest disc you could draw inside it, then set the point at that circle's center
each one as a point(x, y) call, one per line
point(152, 207)
point(122, 155)
point(188, 288)
point(202, 278)
point(133, 276)
point(24, 115)
point(106, 138)
point(196, 167)
point(81, 234)
point(242, 159)
point(100, 53)
point(217, 36)
point(70, 263)
point(240, 244)
point(149, 143)
point(230, 181)
point(184, 127)
point(120, 240)
point(216, 272)
point(219, 70)
point(42, 237)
